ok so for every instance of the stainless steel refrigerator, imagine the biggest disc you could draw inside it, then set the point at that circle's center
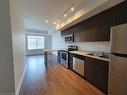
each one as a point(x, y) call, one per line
point(118, 61)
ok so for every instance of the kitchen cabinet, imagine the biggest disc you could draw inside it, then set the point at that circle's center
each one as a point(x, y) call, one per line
point(97, 27)
point(96, 72)
point(70, 63)
point(58, 56)
point(121, 13)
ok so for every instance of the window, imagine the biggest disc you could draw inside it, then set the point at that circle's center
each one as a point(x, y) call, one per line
point(35, 42)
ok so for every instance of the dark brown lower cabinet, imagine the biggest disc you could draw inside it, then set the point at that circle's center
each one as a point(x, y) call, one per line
point(70, 63)
point(96, 72)
point(58, 56)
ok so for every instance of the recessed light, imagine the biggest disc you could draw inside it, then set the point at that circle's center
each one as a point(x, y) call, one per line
point(65, 15)
point(46, 21)
point(72, 9)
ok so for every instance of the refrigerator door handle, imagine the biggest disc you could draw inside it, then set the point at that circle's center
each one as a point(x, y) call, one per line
point(120, 55)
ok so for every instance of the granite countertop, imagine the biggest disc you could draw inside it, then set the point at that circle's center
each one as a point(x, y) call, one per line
point(83, 53)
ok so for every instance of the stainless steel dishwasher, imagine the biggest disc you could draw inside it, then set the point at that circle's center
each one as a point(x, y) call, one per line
point(78, 64)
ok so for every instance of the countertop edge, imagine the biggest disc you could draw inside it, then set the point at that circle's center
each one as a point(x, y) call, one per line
point(83, 53)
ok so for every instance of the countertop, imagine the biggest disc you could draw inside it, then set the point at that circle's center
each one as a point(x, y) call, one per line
point(83, 53)
point(51, 50)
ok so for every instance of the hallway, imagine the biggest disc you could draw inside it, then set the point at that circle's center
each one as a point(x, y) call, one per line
point(53, 80)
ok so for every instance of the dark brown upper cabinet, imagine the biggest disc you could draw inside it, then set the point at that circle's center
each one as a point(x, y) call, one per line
point(97, 28)
point(121, 13)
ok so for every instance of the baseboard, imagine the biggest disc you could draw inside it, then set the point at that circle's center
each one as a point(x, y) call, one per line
point(34, 54)
point(21, 80)
point(7, 93)
point(37, 54)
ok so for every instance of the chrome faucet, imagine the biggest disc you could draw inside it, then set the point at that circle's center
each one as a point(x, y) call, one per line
point(101, 52)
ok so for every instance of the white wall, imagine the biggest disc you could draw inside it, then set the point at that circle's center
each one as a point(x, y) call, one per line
point(41, 33)
point(58, 43)
point(57, 40)
point(18, 42)
point(7, 86)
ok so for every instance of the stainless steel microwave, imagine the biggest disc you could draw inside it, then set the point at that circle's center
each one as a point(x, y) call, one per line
point(69, 38)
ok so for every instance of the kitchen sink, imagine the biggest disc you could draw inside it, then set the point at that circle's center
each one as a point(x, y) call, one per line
point(93, 54)
point(102, 56)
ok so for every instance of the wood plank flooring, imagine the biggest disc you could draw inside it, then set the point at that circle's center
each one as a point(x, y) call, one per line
point(53, 79)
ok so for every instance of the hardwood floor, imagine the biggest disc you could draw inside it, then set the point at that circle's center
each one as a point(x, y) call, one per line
point(53, 79)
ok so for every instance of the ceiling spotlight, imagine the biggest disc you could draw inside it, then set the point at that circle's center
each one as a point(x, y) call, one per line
point(72, 9)
point(54, 23)
point(46, 21)
point(65, 15)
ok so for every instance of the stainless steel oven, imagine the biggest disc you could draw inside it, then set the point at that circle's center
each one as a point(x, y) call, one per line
point(64, 58)
point(64, 55)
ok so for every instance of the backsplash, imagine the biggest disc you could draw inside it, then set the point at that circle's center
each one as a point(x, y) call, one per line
point(92, 46)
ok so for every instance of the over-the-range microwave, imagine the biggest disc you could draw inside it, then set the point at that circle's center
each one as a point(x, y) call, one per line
point(69, 38)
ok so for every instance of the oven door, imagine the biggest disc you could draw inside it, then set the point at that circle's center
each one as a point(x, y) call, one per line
point(64, 58)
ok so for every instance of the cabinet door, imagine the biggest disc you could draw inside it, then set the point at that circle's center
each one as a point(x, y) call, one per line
point(96, 72)
point(89, 70)
point(121, 14)
point(70, 63)
point(101, 75)
point(58, 56)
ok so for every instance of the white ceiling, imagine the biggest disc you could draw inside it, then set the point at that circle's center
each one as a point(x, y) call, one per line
point(37, 11)
point(86, 9)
